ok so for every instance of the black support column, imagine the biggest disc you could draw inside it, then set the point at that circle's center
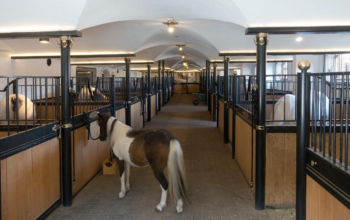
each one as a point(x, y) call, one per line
point(172, 84)
point(167, 86)
point(66, 44)
point(159, 88)
point(163, 83)
point(303, 132)
point(206, 72)
point(214, 91)
point(260, 165)
point(209, 88)
point(112, 95)
point(226, 110)
point(128, 92)
point(149, 85)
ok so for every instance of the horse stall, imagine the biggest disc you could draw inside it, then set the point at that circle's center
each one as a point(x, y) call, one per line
point(31, 110)
point(280, 130)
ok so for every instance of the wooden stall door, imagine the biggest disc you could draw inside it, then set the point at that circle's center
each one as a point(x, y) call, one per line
point(280, 169)
point(321, 205)
point(30, 181)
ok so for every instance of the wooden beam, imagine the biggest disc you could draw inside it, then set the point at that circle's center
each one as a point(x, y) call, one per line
point(43, 34)
point(298, 30)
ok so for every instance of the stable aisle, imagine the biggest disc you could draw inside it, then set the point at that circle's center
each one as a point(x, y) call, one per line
point(217, 187)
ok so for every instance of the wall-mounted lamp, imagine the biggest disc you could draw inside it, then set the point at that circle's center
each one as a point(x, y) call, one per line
point(171, 24)
point(44, 40)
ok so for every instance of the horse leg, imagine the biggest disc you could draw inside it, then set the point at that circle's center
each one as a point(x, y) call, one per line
point(179, 206)
point(164, 186)
point(127, 177)
point(122, 177)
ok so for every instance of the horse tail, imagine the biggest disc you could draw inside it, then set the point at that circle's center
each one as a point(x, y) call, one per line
point(176, 172)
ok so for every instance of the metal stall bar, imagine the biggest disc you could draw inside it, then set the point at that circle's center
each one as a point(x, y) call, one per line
point(149, 85)
point(214, 91)
point(159, 88)
point(226, 110)
point(303, 131)
point(261, 41)
point(128, 92)
point(66, 43)
point(163, 83)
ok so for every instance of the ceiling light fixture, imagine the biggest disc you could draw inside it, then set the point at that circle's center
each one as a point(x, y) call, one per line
point(171, 24)
point(44, 40)
point(180, 47)
point(298, 39)
point(183, 56)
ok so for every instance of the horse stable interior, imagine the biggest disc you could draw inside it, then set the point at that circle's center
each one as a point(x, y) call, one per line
point(256, 92)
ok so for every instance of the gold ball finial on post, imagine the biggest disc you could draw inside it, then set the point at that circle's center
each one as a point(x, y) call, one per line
point(304, 65)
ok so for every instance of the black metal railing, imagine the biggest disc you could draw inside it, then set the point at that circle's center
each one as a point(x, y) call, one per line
point(28, 102)
point(329, 113)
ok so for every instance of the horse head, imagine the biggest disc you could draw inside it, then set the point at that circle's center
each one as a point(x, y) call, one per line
point(102, 120)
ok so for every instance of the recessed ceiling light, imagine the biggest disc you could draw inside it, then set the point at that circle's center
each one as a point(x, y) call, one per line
point(44, 40)
point(298, 39)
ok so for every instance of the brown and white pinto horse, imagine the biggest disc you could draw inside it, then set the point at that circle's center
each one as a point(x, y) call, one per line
point(157, 148)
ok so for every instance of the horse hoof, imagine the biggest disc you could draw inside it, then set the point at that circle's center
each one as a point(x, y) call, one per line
point(179, 210)
point(121, 195)
point(158, 210)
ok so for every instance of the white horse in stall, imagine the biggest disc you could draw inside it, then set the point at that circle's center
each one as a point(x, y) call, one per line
point(31, 113)
point(285, 106)
point(95, 94)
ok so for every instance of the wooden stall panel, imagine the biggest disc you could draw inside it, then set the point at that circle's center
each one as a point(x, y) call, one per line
point(30, 181)
point(212, 105)
point(179, 89)
point(89, 155)
point(120, 115)
point(230, 116)
point(193, 88)
point(243, 149)
point(321, 205)
point(221, 116)
point(136, 116)
point(280, 169)
point(153, 106)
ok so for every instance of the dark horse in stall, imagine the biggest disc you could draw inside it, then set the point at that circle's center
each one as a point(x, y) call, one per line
point(157, 148)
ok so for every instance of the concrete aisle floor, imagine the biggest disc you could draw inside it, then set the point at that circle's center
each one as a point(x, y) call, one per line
point(217, 187)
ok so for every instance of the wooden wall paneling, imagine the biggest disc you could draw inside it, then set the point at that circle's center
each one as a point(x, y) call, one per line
point(230, 125)
point(4, 193)
point(89, 155)
point(136, 117)
point(274, 168)
point(289, 169)
point(221, 116)
point(212, 105)
point(30, 181)
point(153, 106)
point(120, 115)
point(321, 205)
point(243, 149)
point(145, 108)
point(193, 88)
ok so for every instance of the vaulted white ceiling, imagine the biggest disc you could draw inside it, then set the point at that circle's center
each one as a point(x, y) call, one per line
point(207, 27)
